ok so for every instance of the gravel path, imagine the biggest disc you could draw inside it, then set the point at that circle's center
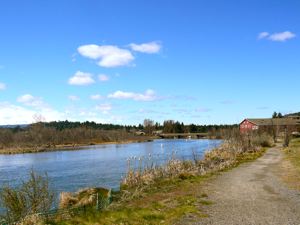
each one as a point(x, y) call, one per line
point(252, 194)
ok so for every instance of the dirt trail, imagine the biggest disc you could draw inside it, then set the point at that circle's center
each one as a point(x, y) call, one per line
point(253, 194)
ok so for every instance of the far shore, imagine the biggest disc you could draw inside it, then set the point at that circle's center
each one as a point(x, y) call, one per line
point(74, 147)
point(66, 147)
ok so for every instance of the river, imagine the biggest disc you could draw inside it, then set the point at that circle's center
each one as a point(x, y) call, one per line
point(99, 165)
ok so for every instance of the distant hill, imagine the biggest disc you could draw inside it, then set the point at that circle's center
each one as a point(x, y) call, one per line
point(293, 114)
point(14, 126)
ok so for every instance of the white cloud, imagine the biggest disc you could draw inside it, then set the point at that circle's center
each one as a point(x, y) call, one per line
point(73, 97)
point(96, 97)
point(263, 35)
point(281, 37)
point(30, 100)
point(149, 95)
point(25, 114)
point(107, 55)
point(104, 108)
point(2, 86)
point(81, 78)
point(150, 48)
point(14, 114)
point(39, 108)
point(51, 114)
point(103, 77)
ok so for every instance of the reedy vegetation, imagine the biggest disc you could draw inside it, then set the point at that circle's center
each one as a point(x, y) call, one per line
point(235, 147)
point(22, 203)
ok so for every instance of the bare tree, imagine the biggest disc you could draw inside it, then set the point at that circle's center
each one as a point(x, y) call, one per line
point(148, 126)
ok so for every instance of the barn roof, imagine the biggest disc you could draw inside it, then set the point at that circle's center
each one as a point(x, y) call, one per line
point(275, 121)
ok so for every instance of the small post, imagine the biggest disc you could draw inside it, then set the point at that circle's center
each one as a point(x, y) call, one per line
point(97, 203)
point(109, 197)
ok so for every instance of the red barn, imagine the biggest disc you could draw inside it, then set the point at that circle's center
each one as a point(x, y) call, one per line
point(247, 125)
point(279, 124)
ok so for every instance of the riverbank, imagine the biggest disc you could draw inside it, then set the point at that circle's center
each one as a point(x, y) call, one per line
point(91, 168)
point(68, 147)
point(168, 201)
point(170, 194)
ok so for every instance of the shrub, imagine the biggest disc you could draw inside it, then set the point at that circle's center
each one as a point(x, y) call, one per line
point(32, 197)
point(263, 140)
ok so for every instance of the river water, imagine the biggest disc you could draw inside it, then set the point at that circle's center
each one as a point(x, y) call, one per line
point(99, 165)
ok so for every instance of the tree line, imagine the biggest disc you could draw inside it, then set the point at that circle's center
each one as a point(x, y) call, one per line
point(53, 134)
point(171, 126)
point(62, 125)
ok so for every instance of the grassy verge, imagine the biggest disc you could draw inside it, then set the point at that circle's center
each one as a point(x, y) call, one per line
point(166, 201)
point(248, 157)
point(293, 152)
point(291, 164)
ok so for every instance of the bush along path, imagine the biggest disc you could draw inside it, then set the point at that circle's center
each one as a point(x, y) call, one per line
point(252, 193)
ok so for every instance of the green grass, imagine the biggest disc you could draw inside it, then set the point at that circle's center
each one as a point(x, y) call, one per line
point(206, 202)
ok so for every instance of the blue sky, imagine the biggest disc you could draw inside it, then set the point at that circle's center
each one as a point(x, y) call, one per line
point(114, 61)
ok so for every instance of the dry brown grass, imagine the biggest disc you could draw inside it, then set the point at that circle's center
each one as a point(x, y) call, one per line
point(34, 219)
point(84, 197)
point(230, 153)
point(290, 166)
point(290, 174)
